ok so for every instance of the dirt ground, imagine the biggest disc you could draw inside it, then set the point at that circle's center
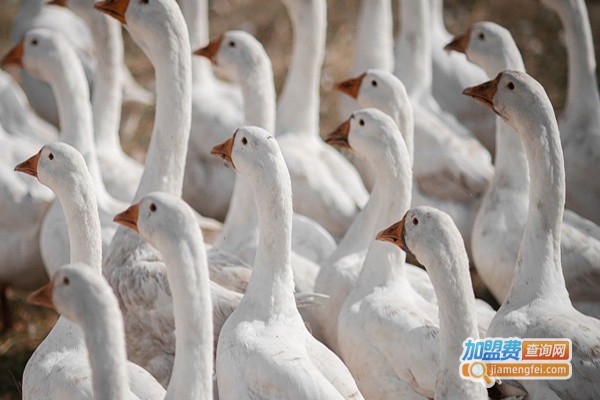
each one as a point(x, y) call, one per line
point(536, 30)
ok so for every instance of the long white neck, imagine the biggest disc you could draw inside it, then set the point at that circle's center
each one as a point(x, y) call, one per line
point(271, 287)
point(106, 101)
point(187, 272)
point(437, 17)
point(374, 47)
point(298, 108)
point(166, 157)
point(413, 48)
point(66, 77)
point(105, 341)
point(258, 91)
point(538, 272)
point(80, 208)
point(582, 94)
point(449, 273)
point(195, 13)
point(384, 263)
point(511, 167)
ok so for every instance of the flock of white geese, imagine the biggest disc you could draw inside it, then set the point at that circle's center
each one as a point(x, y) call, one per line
point(307, 296)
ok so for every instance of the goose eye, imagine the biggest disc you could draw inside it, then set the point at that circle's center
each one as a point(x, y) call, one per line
point(51, 156)
point(373, 82)
point(66, 280)
point(244, 140)
point(481, 36)
point(231, 43)
point(144, 1)
point(34, 42)
point(510, 85)
point(152, 207)
point(415, 221)
point(361, 122)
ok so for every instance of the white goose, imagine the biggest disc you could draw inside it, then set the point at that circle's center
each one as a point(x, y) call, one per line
point(443, 167)
point(451, 73)
point(496, 245)
point(386, 330)
point(48, 56)
point(217, 111)
point(166, 222)
point(121, 174)
point(580, 123)
point(327, 188)
point(59, 368)
point(538, 303)
point(243, 59)
point(431, 236)
point(265, 350)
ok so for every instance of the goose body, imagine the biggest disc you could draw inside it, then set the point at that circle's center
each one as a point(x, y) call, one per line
point(541, 307)
point(496, 245)
point(264, 349)
point(60, 368)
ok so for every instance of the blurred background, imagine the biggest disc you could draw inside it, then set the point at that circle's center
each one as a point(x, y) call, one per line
point(536, 30)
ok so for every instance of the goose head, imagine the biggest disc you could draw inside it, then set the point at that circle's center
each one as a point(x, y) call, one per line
point(235, 53)
point(153, 24)
point(425, 232)
point(160, 218)
point(37, 52)
point(252, 151)
point(376, 88)
point(58, 166)
point(488, 45)
point(515, 96)
point(69, 291)
point(368, 132)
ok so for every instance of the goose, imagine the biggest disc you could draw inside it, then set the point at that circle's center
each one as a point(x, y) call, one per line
point(327, 188)
point(435, 241)
point(375, 25)
point(580, 121)
point(241, 57)
point(164, 220)
point(445, 175)
point(451, 73)
point(217, 110)
point(120, 173)
point(132, 266)
point(387, 333)
point(265, 350)
point(59, 368)
point(541, 307)
point(18, 118)
point(496, 245)
point(48, 56)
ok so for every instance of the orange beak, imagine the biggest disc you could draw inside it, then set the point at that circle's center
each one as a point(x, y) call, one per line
point(211, 49)
point(42, 296)
point(60, 3)
point(129, 217)
point(460, 43)
point(485, 92)
point(339, 137)
point(395, 234)
point(351, 86)
point(114, 8)
point(30, 165)
point(15, 55)
point(224, 150)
